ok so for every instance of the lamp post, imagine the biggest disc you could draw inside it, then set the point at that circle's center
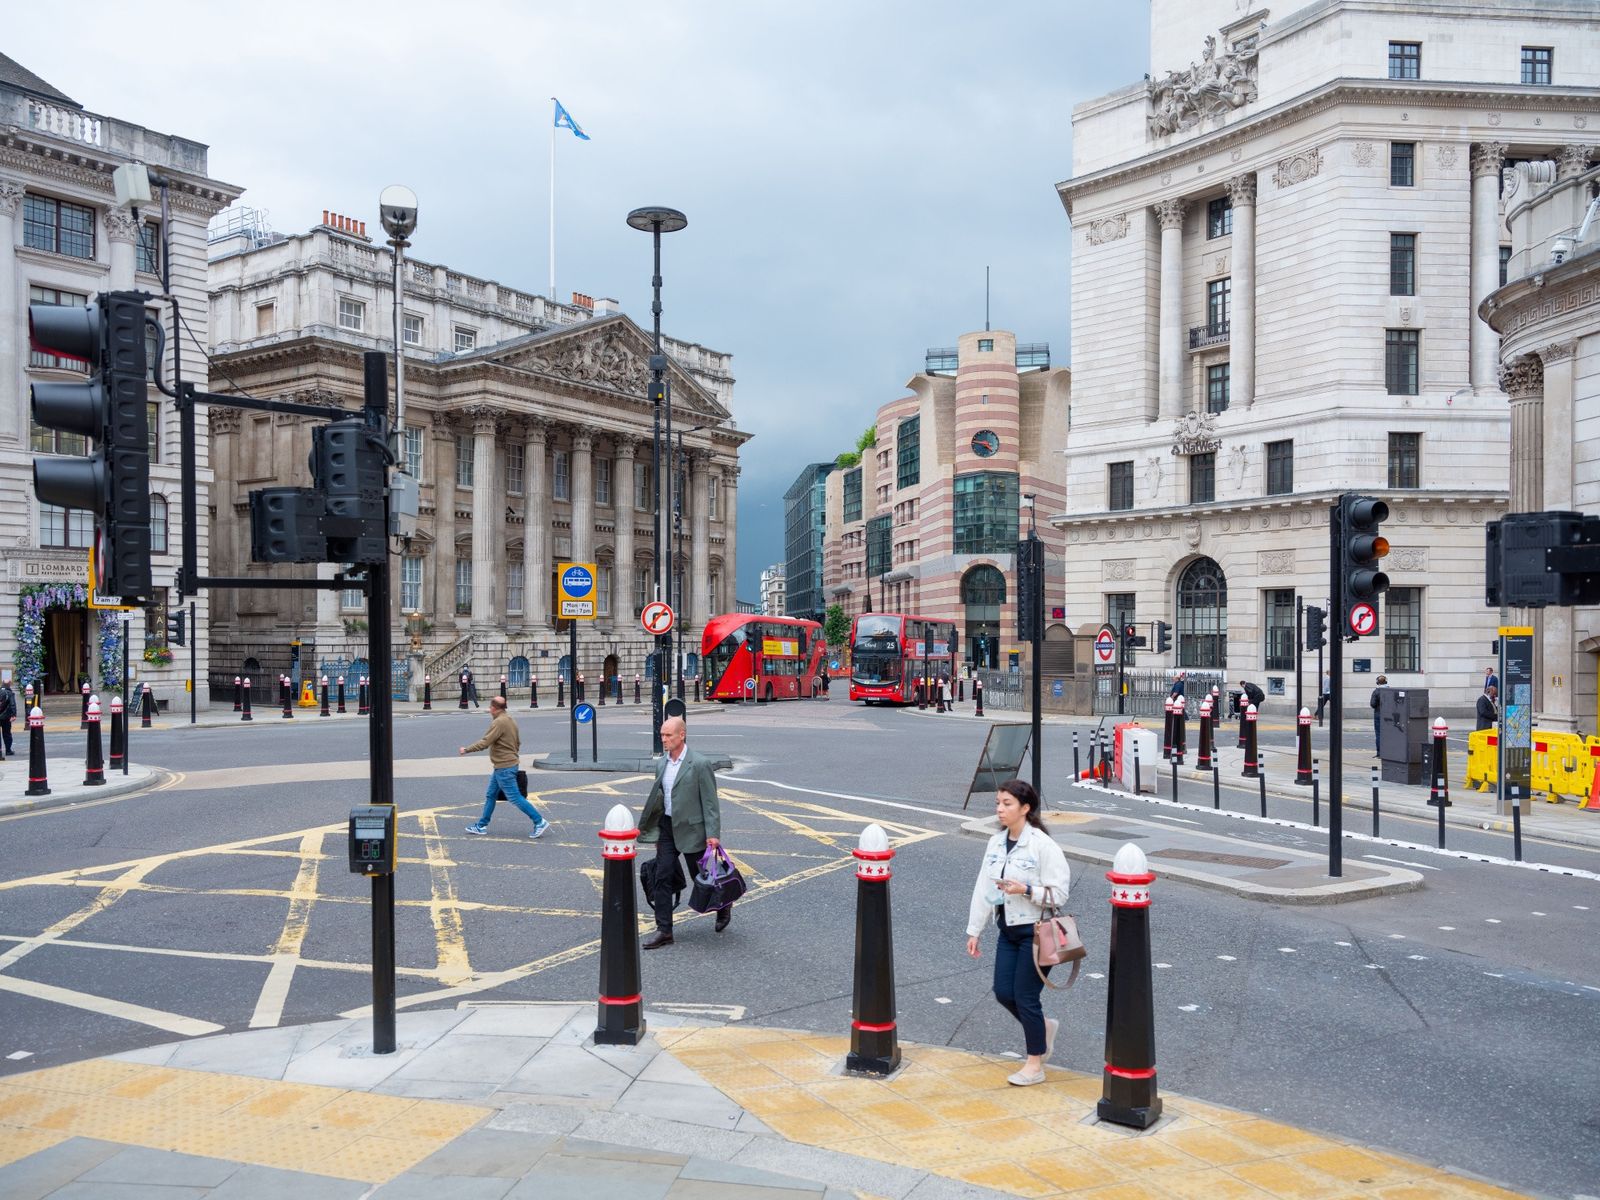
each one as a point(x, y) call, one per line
point(677, 530)
point(657, 220)
point(1032, 595)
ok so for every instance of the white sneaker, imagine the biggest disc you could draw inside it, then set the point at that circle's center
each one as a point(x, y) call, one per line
point(1050, 1027)
point(476, 829)
point(539, 830)
point(1023, 1079)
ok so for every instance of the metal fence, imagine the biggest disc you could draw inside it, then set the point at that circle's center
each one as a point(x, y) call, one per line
point(1148, 689)
point(1013, 691)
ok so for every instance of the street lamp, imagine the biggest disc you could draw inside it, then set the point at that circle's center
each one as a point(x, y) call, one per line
point(677, 529)
point(657, 220)
point(397, 208)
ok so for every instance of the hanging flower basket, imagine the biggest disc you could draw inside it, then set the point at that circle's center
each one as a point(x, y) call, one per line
point(161, 656)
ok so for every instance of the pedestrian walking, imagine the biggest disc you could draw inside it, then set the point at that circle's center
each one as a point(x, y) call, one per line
point(1383, 682)
point(1325, 695)
point(503, 741)
point(1023, 872)
point(681, 816)
point(1490, 679)
point(1178, 684)
point(469, 688)
point(1488, 713)
point(8, 713)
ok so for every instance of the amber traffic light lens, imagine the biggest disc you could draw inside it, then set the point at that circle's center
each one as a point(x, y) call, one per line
point(1380, 546)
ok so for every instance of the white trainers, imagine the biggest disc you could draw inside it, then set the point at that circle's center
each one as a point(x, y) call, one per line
point(1023, 1079)
point(476, 829)
point(539, 830)
point(1050, 1027)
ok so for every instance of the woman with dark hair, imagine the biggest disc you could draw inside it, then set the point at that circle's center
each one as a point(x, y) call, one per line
point(1023, 873)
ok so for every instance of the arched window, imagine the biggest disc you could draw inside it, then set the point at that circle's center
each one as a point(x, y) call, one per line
point(1203, 616)
point(983, 592)
point(158, 525)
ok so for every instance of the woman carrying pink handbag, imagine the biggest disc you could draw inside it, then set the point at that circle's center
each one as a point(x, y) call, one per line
point(1023, 873)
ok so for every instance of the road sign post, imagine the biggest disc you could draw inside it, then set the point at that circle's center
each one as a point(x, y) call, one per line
point(576, 602)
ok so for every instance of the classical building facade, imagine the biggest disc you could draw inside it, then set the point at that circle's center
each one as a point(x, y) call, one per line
point(528, 427)
point(928, 521)
point(1280, 240)
point(1548, 318)
point(772, 591)
point(63, 238)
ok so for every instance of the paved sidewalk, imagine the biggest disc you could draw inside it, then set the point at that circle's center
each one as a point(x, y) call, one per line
point(513, 1100)
point(65, 773)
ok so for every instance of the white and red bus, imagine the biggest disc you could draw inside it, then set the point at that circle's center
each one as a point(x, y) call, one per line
point(746, 656)
point(889, 652)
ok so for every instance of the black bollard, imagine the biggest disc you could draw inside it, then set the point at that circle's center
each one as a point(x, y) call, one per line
point(427, 693)
point(83, 716)
point(364, 696)
point(288, 699)
point(505, 691)
point(1439, 796)
point(577, 693)
point(1107, 762)
point(1203, 758)
point(1180, 729)
point(119, 736)
point(465, 681)
point(636, 689)
point(1166, 728)
point(620, 1017)
point(1174, 763)
point(147, 706)
point(38, 776)
point(342, 711)
point(1374, 801)
point(874, 1040)
point(533, 692)
point(977, 696)
point(1252, 759)
point(1128, 1094)
point(325, 711)
point(1076, 774)
point(283, 688)
point(237, 699)
point(1216, 786)
point(1138, 781)
point(961, 691)
point(696, 690)
point(1316, 794)
point(1516, 820)
point(1242, 707)
point(561, 692)
point(94, 765)
point(1261, 781)
point(1302, 768)
point(246, 715)
point(605, 686)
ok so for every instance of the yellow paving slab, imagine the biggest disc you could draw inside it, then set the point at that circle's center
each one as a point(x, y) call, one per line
point(952, 1113)
point(294, 1126)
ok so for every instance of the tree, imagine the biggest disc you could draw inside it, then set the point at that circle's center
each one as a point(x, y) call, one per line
point(836, 627)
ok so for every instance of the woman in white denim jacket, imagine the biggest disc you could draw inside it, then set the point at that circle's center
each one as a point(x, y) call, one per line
point(1023, 872)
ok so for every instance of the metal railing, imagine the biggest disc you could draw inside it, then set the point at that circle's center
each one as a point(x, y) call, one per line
point(1148, 689)
point(1214, 333)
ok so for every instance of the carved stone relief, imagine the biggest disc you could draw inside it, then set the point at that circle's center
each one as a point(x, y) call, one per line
point(1361, 153)
point(1445, 154)
point(1214, 87)
point(1408, 558)
point(1523, 378)
point(1196, 433)
point(1298, 168)
point(1108, 229)
point(1275, 562)
point(1152, 474)
point(1117, 569)
point(1238, 460)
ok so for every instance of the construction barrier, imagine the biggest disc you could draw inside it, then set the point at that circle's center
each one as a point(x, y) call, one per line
point(1483, 761)
point(1562, 764)
point(308, 693)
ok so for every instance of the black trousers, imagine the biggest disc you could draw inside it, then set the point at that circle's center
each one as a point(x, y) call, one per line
point(666, 851)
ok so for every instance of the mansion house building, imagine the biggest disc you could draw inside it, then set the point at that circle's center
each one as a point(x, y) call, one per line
point(528, 428)
point(1281, 239)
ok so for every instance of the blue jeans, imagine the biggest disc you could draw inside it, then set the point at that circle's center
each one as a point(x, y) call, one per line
point(504, 780)
point(1017, 984)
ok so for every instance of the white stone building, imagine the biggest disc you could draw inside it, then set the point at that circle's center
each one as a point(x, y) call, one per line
point(772, 595)
point(62, 240)
point(1280, 238)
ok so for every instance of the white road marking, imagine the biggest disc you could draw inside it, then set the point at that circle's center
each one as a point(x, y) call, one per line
point(1397, 937)
point(1538, 914)
point(19, 1055)
point(1346, 945)
point(916, 808)
point(1226, 958)
point(1492, 920)
point(1163, 966)
point(941, 999)
point(1417, 957)
point(1188, 1008)
point(1581, 907)
point(105, 1006)
point(1374, 966)
point(1286, 950)
point(1404, 862)
point(1494, 974)
point(1095, 975)
point(1448, 928)
point(1180, 820)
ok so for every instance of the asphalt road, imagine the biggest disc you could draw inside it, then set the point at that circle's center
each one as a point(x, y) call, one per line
point(1455, 1023)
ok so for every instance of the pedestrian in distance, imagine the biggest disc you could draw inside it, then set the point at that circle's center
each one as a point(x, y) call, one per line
point(681, 816)
point(1490, 679)
point(1252, 694)
point(8, 713)
point(1178, 684)
point(1488, 713)
point(503, 741)
point(1023, 873)
point(1325, 695)
point(469, 689)
point(1383, 682)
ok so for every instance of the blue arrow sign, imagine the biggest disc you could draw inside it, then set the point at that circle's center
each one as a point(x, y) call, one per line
point(583, 714)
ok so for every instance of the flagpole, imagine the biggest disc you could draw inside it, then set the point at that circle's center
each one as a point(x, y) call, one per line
point(552, 202)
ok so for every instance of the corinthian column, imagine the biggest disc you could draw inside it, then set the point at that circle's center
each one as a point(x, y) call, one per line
point(622, 612)
point(1558, 650)
point(1170, 404)
point(122, 231)
point(1242, 340)
point(1523, 381)
point(699, 590)
point(582, 497)
point(536, 525)
point(1484, 343)
point(442, 463)
point(730, 525)
point(485, 516)
point(1573, 160)
point(11, 381)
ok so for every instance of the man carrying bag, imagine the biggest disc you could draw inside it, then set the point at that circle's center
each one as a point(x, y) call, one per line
point(682, 816)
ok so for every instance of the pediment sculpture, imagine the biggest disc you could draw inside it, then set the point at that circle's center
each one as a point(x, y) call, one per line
point(1213, 87)
point(606, 361)
point(1196, 434)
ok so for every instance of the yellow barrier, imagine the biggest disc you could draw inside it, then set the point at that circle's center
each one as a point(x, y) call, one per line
point(1561, 765)
point(1591, 798)
point(308, 694)
point(1483, 763)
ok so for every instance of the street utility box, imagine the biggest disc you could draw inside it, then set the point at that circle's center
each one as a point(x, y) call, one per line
point(1130, 738)
point(1403, 734)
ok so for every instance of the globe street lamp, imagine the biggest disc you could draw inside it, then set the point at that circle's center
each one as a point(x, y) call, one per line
point(657, 220)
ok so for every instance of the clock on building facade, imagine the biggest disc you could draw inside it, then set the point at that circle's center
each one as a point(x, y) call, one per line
point(986, 443)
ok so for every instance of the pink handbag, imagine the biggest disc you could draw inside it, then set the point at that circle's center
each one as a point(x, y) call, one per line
point(1056, 941)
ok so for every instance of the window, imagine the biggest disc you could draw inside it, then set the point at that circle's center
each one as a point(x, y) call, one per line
point(1202, 478)
point(514, 578)
point(1218, 294)
point(65, 528)
point(152, 418)
point(852, 495)
point(1536, 63)
point(711, 498)
point(158, 525)
point(1278, 605)
point(1402, 264)
point(1217, 387)
point(1119, 486)
point(602, 481)
point(643, 588)
point(604, 587)
point(985, 513)
point(561, 477)
point(1405, 60)
point(466, 339)
point(411, 330)
point(413, 451)
point(642, 500)
point(265, 319)
point(464, 460)
point(463, 583)
point(1402, 164)
point(985, 345)
point(411, 583)
point(352, 598)
point(908, 453)
point(147, 253)
point(352, 314)
point(1219, 217)
point(1121, 611)
point(1405, 460)
point(880, 536)
point(1203, 615)
point(152, 351)
point(38, 358)
point(515, 459)
point(1402, 629)
point(1402, 349)
point(57, 226)
point(716, 592)
point(1280, 468)
point(1505, 263)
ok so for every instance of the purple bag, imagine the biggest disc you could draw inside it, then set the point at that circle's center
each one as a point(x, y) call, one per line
point(717, 883)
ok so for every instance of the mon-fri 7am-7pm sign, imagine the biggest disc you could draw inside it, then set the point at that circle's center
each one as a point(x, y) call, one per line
point(577, 585)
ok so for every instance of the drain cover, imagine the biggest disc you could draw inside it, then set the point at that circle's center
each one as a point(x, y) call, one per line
point(1230, 860)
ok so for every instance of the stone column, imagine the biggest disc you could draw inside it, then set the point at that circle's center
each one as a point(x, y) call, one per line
point(536, 526)
point(730, 524)
point(122, 231)
point(622, 493)
point(443, 469)
point(1573, 160)
point(11, 381)
point(485, 516)
point(697, 595)
point(1242, 341)
point(1523, 381)
point(1487, 159)
point(1558, 660)
point(582, 497)
point(1170, 214)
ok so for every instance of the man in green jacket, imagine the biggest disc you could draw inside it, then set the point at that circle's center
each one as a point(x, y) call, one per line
point(685, 793)
point(503, 741)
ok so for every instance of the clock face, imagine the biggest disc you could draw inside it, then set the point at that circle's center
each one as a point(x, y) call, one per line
point(985, 443)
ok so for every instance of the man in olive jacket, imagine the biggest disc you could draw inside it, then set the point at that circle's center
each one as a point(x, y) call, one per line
point(685, 792)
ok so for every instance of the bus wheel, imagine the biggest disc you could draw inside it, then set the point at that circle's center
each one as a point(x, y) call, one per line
point(769, 693)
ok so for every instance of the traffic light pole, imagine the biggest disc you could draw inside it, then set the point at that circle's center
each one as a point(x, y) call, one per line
point(1299, 653)
point(1335, 638)
point(194, 665)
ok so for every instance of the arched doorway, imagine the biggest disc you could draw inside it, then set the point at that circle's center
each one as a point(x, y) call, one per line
point(1203, 616)
point(608, 669)
point(983, 593)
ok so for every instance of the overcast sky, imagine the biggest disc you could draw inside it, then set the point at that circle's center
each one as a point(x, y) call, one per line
point(848, 169)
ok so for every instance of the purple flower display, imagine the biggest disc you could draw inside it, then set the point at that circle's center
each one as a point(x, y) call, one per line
point(39, 598)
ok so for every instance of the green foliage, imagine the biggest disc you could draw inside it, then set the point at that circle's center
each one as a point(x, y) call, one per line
point(868, 439)
point(836, 626)
point(847, 459)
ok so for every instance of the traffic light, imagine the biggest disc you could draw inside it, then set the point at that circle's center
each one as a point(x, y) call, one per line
point(1316, 628)
point(1362, 551)
point(1030, 589)
point(1163, 637)
point(1538, 559)
point(113, 480)
point(340, 518)
point(175, 628)
point(1132, 639)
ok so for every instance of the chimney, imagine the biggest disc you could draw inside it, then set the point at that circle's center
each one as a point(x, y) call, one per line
point(579, 300)
point(324, 216)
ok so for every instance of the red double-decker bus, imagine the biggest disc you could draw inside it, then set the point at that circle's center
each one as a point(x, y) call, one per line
point(889, 652)
point(746, 656)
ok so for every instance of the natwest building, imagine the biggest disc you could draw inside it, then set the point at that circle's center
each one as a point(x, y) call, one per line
point(928, 521)
point(1280, 238)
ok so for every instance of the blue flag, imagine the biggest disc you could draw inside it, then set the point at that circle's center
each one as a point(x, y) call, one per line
point(564, 121)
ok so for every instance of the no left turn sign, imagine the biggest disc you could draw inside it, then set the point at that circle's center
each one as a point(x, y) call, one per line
point(657, 617)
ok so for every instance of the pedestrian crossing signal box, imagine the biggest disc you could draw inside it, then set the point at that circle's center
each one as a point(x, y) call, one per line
point(372, 840)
